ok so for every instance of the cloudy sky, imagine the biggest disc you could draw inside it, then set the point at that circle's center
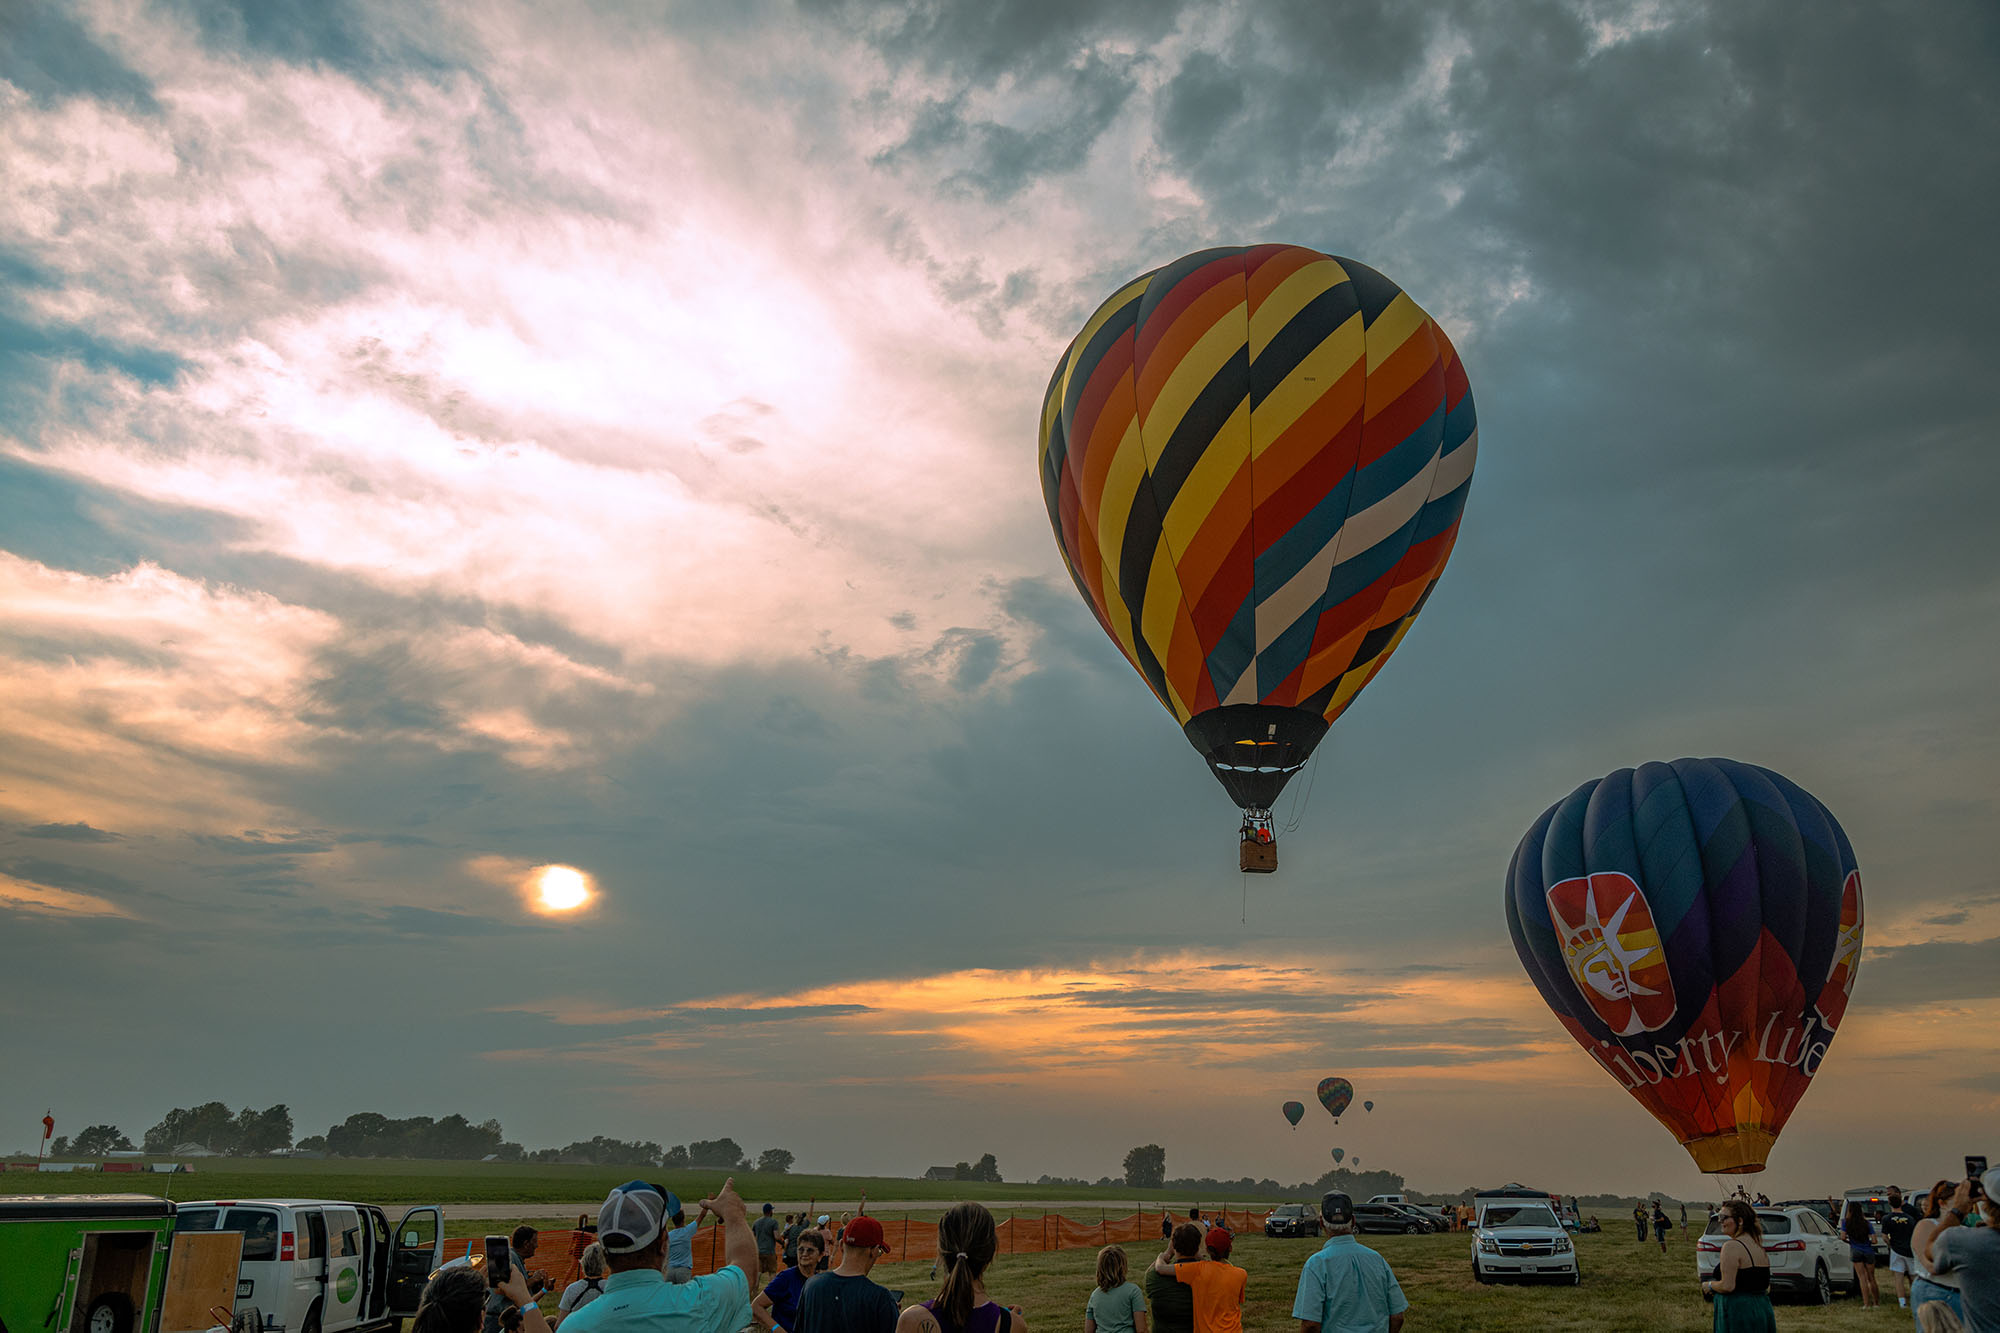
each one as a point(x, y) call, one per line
point(440, 442)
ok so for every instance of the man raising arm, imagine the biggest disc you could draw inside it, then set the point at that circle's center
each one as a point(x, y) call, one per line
point(631, 1226)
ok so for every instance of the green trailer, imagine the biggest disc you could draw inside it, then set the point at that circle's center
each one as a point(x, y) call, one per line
point(99, 1263)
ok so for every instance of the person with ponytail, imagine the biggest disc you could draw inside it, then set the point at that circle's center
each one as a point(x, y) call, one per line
point(455, 1302)
point(967, 1242)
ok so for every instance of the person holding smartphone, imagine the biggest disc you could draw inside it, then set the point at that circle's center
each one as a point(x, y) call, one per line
point(1971, 1254)
point(455, 1301)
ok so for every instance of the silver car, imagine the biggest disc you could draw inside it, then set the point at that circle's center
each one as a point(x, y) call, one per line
point(1808, 1257)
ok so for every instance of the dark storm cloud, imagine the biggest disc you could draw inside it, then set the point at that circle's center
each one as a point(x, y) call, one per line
point(1001, 159)
point(77, 832)
point(67, 875)
point(980, 43)
point(1938, 972)
point(358, 38)
point(1210, 1002)
point(698, 1016)
point(424, 922)
point(257, 842)
point(48, 54)
point(29, 352)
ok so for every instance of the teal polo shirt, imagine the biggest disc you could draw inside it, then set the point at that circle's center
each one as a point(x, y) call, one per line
point(643, 1301)
point(1346, 1288)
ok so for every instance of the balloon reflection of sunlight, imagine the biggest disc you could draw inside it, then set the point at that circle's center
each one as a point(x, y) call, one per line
point(559, 889)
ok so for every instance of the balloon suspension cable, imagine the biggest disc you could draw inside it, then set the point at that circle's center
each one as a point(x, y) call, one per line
point(1300, 802)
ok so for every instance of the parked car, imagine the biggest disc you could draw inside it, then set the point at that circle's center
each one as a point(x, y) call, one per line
point(1808, 1257)
point(1292, 1219)
point(1387, 1219)
point(1519, 1236)
point(1430, 1222)
point(1388, 1198)
point(321, 1265)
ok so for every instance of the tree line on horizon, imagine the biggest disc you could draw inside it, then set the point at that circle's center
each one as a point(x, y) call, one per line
point(214, 1128)
point(1146, 1169)
point(252, 1133)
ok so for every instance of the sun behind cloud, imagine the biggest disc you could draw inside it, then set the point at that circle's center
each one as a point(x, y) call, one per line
point(560, 890)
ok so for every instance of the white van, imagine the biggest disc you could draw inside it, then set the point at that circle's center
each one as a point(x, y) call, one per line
point(1389, 1198)
point(323, 1266)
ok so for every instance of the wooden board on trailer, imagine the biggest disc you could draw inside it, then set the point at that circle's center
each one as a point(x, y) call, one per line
point(201, 1274)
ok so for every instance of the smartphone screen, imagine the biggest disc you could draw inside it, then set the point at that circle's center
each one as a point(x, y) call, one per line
point(1975, 1167)
point(499, 1264)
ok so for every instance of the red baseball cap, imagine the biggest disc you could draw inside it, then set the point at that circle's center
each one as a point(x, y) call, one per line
point(1218, 1241)
point(864, 1231)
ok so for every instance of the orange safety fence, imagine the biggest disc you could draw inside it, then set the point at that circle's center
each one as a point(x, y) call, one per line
point(560, 1253)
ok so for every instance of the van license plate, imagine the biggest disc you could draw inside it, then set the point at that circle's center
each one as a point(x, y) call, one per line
point(1529, 1268)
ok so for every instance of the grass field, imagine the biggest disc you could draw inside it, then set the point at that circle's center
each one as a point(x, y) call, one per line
point(1625, 1287)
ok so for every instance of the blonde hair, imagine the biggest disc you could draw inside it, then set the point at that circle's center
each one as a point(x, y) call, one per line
point(595, 1264)
point(1110, 1267)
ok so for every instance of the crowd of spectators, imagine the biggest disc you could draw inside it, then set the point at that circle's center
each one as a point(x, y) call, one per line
point(806, 1274)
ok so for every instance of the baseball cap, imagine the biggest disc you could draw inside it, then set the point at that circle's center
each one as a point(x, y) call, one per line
point(1336, 1207)
point(822, 1219)
point(865, 1232)
point(1219, 1240)
point(767, 1210)
point(633, 1215)
point(1990, 1182)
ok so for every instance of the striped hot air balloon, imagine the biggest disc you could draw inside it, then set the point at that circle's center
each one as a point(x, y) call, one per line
point(1696, 927)
point(1254, 461)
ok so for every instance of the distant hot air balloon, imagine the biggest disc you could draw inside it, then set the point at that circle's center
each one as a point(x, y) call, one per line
point(1368, 1106)
point(1338, 1153)
point(1254, 460)
point(1357, 1161)
point(1295, 1112)
point(1696, 926)
point(1335, 1094)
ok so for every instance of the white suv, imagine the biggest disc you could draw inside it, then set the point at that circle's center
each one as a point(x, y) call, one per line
point(1808, 1257)
point(1521, 1238)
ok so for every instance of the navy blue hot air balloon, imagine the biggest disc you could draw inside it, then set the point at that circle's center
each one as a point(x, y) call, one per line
point(1696, 926)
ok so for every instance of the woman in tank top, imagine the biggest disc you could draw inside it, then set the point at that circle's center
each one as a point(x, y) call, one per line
point(1926, 1286)
point(1742, 1290)
point(967, 1242)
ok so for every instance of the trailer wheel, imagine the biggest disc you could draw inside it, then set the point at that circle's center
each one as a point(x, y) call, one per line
point(110, 1313)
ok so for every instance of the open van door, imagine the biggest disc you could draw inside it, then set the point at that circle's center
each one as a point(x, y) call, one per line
point(415, 1253)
